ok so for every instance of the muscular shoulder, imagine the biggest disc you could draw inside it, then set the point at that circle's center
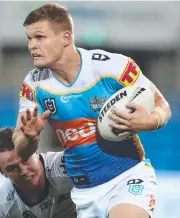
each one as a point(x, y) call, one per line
point(103, 63)
point(120, 67)
point(108, 62)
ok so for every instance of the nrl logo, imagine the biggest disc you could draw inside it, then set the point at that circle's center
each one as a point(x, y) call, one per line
point(97, 103)
point(50, 105)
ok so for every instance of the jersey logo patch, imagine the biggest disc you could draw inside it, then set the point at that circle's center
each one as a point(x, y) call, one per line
point(100, 57)
point(62, 165)
point(134, 186)
point(50, 105)
point(27, 93)
point(45, 205)
point(134, 181)
point(130, 74)
point(136, 189)
point(66, 99)
point(97, 103)
point(80, 180)
point(48, 170)
point(10, 195)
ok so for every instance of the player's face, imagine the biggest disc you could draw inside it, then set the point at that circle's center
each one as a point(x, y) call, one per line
point(46, 45)
point(27, 172)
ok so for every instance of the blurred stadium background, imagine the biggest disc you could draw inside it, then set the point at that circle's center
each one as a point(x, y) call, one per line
point(149, 32)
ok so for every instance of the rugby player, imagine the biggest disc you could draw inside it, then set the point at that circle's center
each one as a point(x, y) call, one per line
point(110, 179)
point(35, 187)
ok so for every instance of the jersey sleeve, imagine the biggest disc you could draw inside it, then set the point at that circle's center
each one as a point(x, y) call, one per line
point(27, 95)
point(54, 163)
point(122, 70)
point(131, 74)
point(127, 72)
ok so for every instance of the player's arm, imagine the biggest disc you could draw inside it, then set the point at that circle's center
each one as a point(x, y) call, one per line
point(27, 134)
point(22, 145)
point(161, 111)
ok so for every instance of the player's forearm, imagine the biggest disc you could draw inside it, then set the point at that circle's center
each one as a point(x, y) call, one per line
point(24, 146)
point(162, 111)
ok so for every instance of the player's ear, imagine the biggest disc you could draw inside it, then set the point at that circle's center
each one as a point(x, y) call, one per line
point(67, 38)
point(37, 154)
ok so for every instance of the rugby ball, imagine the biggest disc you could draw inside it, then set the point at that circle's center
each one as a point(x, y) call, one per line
point(130, 94)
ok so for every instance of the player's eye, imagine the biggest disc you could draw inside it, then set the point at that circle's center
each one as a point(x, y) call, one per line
point(39, 37)
point(11, 168)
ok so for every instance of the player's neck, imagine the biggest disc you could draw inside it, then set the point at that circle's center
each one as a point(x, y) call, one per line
point(33, 195)
point(68, 68)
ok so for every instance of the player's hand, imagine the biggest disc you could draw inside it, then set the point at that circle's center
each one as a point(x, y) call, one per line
point(138, 121)
point(33, 123)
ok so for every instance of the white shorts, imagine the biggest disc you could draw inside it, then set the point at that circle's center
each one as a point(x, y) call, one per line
point(135, 186)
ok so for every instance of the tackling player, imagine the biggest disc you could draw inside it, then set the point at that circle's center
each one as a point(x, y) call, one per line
point(110, 179)
point(34, 187)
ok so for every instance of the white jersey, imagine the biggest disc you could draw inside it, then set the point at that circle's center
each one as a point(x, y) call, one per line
point(75, 109)
point(55, 204)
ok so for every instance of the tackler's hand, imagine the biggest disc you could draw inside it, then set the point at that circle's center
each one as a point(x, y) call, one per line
point(33, 123)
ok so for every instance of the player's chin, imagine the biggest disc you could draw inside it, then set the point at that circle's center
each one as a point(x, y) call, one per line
point(40, 64)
